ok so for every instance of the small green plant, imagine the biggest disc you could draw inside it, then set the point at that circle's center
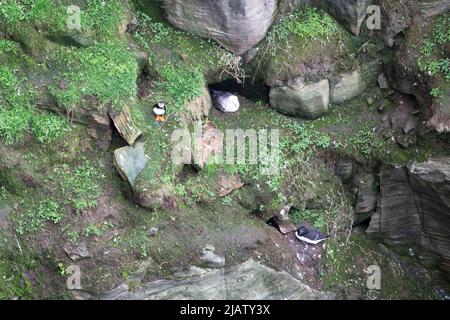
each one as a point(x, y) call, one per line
point(180, 85)
point(181, 190)
point(32, 218)
point(431, 58)
point(14, 123)
point(106, 71)
point(80, 186)
point(74, 236)
point(93, 230)
point(137, 242)
point(48, 127)
point(367, 142)
point(305, 138)
point(98, 230)
point(309, 23)
point(103, 17)
point(227, 201)
point(8, 47)
point(12, 12)
point(3, 192)
point(314, 216)
point(436, 92)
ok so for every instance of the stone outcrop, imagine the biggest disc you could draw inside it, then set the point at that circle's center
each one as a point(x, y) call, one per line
point(350, 13)
point(308, 101)
point(124, 124)
point(248, 281)
point(198, 108)
point(367, 198)
point(414, 209)
point(130, 162)
point(238, 25)
point(357, 82)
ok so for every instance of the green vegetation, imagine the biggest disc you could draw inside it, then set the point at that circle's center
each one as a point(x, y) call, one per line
point(32, 218)
point(137, 242)
point(180, 85)
point(433, 59)
point(304, 138)
point(307, 23)
point(98, 230)
point(345, 264)
point(314, 216)
point(436, 92)
point(18, 116)
point(48, 127)
point(179, 60)
point(8, 47)
point(106, 71)
point(13, 265)
point(99, 19)
point(14, 123)
point(81, 186)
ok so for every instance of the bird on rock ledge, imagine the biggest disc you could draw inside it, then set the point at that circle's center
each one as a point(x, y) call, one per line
point(159, 110)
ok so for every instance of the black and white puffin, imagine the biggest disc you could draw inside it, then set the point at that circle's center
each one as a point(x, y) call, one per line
point(225, 101)
point(159, 110)
point(310, 235)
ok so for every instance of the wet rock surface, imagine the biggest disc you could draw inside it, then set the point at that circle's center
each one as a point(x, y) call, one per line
point(414, 209)
point(248, 281)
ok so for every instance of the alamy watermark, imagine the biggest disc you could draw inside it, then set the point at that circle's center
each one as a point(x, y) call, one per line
point(373, 282)
point(74, 280)
point(234, 147)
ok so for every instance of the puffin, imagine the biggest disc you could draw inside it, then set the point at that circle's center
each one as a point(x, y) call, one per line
point(310, 235)
point(159, 110)
point(225, 101)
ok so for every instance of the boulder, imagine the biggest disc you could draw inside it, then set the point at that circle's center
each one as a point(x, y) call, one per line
point(248, 281)
point(308, 101)
point(155, 197)
point(210, 259)
point(367, 199)
point(350, 13)
point(432, 8)
point(355, 83)
point(124, 124)
point(414, 209)
point(130, 162)
point(76, 253)
point(238, 25)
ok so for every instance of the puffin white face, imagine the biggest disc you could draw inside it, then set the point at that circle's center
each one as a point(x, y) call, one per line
point(161, 105)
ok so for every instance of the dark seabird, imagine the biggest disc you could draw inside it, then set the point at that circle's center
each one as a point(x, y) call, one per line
point(310, 235)
point(225, 101)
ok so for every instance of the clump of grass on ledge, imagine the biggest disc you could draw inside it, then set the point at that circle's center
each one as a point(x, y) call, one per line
point(99, 19)
point(107, 71)
point(309, 23)
point(18, 115)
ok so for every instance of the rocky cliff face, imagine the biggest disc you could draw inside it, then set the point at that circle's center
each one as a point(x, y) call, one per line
point(414, 209)
point(248, 281)
point(238, 25)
